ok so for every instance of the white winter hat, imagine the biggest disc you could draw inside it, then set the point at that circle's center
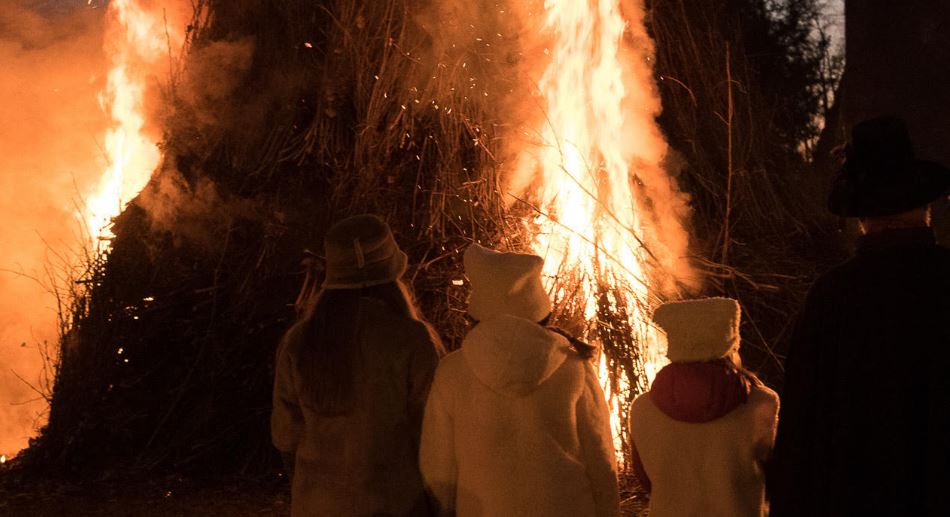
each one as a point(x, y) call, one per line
point(505, 283)
point(699, 330)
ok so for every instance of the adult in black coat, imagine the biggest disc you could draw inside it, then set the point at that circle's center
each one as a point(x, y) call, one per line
point(864, 427)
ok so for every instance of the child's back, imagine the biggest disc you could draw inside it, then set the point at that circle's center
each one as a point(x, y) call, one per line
point(704, 430)
point(712, 468)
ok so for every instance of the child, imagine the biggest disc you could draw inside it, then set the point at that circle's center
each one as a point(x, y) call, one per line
point(703, 431)
point(516, 422)
point(351, 383)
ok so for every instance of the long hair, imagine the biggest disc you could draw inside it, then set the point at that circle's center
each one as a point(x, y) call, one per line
point(747, 377)
point(331, 329)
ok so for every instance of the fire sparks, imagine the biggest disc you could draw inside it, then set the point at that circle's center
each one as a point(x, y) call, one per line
point(597, 167)
point(139, 40)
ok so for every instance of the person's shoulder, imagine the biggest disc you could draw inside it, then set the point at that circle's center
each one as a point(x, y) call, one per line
point(644, 416)
point(420, 336)
point(834, 275)
point(293, 339)
point(578, 365)
point(379, 317)
point(764, 394)
point(452, 360)
point(578, 375)
point(941, 253)
point(643, 403)
point(764, 400)
point(451, 368)
point(933, 263)
point(400, 337)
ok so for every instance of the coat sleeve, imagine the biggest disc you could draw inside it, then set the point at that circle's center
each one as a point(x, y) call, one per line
point(766, 422)
point(597, 445)
point(639, 470)
point(286, 417)
point(437, 461)
point(791, 471)
point(422, 364)
point(938, 418)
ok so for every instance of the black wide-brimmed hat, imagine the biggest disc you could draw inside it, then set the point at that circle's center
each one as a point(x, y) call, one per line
point(881, 176)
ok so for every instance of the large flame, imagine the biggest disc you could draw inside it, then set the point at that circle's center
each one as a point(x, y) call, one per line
point(600, 147)
point(140, 40)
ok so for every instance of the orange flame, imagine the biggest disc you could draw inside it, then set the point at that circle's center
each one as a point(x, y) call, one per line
point(598, 163)
point(138, 42)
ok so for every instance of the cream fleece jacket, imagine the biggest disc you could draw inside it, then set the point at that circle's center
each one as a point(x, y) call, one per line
point(516, 424)
point(709, 469)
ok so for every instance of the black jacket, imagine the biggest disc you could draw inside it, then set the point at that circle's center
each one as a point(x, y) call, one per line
point(864, 427)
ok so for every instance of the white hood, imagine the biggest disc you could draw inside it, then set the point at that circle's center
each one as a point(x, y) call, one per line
point(512, 355)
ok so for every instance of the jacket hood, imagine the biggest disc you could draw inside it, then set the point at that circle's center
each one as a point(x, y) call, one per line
point(698, 392)
point(512, 355)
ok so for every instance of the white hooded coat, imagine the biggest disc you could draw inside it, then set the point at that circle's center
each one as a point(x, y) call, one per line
point(516, 424)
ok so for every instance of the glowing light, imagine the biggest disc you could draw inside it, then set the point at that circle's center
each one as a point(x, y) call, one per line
point(3, 459)
point(138, 41)
point(597, 140)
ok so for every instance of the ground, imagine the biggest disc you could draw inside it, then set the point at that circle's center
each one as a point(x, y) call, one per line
point(166, 498)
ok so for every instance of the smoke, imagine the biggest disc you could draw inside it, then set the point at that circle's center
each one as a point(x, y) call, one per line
point(656, 165)
point(211, 74)
point(193, 212)
point(49, 156)
point(489, 47)
point(180, 200)
point(53, 122)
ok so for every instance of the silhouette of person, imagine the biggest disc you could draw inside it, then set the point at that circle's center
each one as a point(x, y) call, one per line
point(351, 383)
point(863, 428)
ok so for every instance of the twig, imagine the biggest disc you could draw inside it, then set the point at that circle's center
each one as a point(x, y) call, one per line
point(729, 114)
point(592, 243)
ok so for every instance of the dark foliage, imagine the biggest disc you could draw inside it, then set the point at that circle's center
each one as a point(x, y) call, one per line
point(743, 82)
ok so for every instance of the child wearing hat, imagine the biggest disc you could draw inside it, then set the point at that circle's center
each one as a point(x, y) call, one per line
point(516, 422)
point(351, 382)
point(702, 433)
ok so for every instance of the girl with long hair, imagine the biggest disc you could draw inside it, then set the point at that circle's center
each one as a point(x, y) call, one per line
point(351, 381)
